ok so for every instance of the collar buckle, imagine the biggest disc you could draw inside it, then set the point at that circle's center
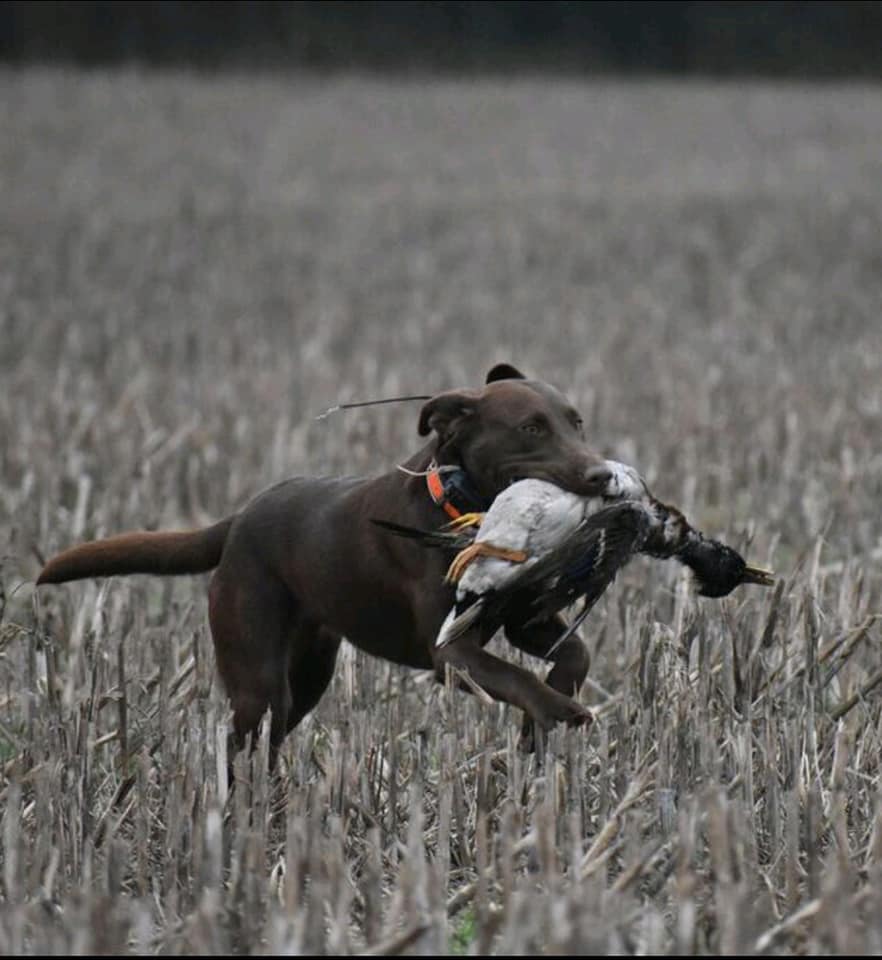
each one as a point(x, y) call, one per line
point(456, 485)
point(438, 493)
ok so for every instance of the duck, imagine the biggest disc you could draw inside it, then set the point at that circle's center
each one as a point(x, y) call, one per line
point(561, 547)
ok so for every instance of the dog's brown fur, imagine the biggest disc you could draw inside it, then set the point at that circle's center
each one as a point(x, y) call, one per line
point(302, 565)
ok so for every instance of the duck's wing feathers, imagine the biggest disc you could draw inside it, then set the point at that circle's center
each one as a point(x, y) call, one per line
point(588, 561)
point(457, 539)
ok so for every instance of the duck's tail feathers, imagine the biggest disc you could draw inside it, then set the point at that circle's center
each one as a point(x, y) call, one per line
point(456, 624)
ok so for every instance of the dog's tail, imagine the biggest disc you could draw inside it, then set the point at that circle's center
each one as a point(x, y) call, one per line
point(166, 554)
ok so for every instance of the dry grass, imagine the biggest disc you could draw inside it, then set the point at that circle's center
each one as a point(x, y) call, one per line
point(189, 269)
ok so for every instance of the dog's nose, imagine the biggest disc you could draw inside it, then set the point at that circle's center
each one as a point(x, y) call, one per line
point(597, 479)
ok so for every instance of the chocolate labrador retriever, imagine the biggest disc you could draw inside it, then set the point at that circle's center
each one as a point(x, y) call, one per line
point(303, 566)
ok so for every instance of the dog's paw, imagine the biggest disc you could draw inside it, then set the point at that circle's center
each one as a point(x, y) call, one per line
point(561, 709)
point(533, 731)
point(579, 718)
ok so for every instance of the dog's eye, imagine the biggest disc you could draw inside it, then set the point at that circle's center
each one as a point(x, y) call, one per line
point(531, 429)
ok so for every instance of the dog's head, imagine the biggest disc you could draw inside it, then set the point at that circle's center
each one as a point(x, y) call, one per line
point(512, 429)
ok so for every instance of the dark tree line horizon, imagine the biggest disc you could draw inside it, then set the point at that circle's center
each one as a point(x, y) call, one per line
point(796, 39)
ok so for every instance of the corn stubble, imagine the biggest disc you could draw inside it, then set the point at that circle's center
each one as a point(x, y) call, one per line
point(191, 268)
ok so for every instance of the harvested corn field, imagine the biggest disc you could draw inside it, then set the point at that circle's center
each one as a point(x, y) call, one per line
point(193, 267)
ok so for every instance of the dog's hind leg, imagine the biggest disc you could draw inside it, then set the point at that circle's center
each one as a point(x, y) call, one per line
point(251, 617)
point(312, 660)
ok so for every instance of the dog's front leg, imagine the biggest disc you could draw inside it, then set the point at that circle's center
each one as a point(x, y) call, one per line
point(511, 684)
point(570, 660)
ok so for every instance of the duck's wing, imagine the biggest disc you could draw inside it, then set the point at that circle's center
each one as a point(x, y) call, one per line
point(588, 561)
point(457, 539)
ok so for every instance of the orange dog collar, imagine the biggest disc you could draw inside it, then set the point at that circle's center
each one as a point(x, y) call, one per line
point(438, 493)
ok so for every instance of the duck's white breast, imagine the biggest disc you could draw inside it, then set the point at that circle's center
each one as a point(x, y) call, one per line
point(527, 509)
point(531, 515)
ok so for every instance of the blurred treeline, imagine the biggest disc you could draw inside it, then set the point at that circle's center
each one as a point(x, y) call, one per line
point(723, 38)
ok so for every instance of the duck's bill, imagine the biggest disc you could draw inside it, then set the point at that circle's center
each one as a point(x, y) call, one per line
point(759, 575)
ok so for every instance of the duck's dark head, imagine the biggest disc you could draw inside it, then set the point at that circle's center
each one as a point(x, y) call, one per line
point(719, 569)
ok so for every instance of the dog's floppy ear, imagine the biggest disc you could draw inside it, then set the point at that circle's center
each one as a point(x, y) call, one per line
point(504, 371)
point(446, 411)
